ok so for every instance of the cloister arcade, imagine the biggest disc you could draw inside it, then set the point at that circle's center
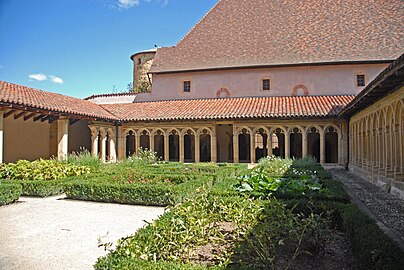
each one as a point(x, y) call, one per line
point(244, 142)
point(377, 147)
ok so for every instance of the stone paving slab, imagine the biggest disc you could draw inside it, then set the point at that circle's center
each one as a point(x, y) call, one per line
point(386, 208)
point(55, 233)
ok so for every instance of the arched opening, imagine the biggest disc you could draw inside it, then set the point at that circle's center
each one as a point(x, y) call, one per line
point(296, 143)
point(244, 146)
point(99, 138)
point(261, 148)
point(313, 143)
point(130, 144)
point(189, 146)
point(145, 140)
point(174, 146)
point(204, 144)
point(278, 143)
point(159, 144)
point(331, 145)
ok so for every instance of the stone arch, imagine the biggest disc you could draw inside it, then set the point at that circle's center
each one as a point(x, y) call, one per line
point(174, 144)
point(244, 144)
point(313, 141)
point(331, 137)
point(130, 142)
point(390, 139)
point(278, 138)
point(302, 87)
point(158, 141)
point(222, 93)
point(189, 144)
point(144, 138)
point(205, 140)
point(296, 141)
point(260, 134)
point(202, 129)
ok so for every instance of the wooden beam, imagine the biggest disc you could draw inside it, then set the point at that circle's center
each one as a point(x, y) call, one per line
point(29, 116)
point(18, 115)
point(73, 121)
point(36, 118)
point(7, 114)
point(45, 118)
point(52, 119)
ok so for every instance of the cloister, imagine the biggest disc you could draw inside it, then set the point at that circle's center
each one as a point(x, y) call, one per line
point(215, 142)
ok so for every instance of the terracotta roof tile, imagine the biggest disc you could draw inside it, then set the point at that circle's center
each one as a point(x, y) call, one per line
point(231, 108)
point(29, 97)
point(239, 33)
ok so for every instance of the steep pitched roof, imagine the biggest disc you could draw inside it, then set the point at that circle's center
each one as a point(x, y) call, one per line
point(231, 108)
point(18, 95)
point(248, 33)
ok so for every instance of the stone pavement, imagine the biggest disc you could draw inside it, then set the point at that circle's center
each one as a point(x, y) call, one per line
point(55, 233)
point(385, 208)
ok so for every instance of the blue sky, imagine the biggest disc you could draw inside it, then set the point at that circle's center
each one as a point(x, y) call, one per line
point(82, 47)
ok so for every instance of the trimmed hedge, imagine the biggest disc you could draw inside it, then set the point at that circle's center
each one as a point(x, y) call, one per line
point(372, 248)
point(42, 188)
point(158, 195)
point(9, 192)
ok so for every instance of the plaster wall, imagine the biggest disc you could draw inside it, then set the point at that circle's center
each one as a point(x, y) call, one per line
point(25, 139)
point(319, 80)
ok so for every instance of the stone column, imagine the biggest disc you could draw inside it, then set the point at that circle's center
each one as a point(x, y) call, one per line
point(112, 148)
point(198, 147)
point(1, 136)
point(63, 138)
point(322, 147)
point(181, 138)
point(94, 141)
point(287, 145)
point(137, 143)
point(252, 148)
point(304, 142)
point(151, 141)
point(166, 147)
point(213, 146)
point(121, 149)
point(103, 151)
point(235, 147)
point(269, 144)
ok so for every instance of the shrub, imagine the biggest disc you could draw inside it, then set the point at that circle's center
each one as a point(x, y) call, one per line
point(9, 192)
point(42, 188)
point(40, 170)
point(371, 247)
point(84, 158)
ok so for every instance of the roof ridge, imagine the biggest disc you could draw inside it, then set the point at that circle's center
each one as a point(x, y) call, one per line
point(111, 95)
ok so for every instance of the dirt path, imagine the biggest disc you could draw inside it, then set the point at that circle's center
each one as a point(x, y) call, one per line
point(54, 233)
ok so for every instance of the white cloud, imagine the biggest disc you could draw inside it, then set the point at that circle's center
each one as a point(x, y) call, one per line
point(128, 3)
point(56, 79)
point(42, 77)
point(38, 77)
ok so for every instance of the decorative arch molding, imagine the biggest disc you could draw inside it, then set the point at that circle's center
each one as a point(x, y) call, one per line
point(173, 131)
point(143, 131)
point(300, 87)
point(299, 129)
point(282, 130)
point(222, 93)
point(188, 131)
point(156, 130)
point(204, 131)
point(127, 131)
point(257, 130)
point(247, 130)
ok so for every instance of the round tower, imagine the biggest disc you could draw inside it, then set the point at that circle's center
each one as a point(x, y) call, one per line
point(142, 62)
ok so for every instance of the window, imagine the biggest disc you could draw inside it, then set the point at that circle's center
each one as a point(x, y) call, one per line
point(360, 80)
point(139, 61)
point(266, 84)
point(259, 141)
point(187, 86)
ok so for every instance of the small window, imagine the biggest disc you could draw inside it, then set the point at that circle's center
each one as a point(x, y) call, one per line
point(139, 61)
point(360, 80)
point(266, 84)
point(187, 86)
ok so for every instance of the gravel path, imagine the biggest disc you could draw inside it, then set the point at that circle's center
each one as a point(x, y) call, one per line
point(386, 208)
point(55, 233)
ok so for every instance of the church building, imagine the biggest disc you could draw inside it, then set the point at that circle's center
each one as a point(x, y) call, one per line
point(252, 78)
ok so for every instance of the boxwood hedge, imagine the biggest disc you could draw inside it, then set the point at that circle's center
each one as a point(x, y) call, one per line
point(9, 192)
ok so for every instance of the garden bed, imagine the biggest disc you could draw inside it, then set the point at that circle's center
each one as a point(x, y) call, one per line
point(9, 192)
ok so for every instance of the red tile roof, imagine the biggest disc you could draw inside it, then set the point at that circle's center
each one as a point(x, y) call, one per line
point(231, 108)
point(15, 94)
point(245, 33)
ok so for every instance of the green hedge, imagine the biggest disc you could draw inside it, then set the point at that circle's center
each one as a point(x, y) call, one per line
point(371, 247)
point(153, 194)
point(9, 192)
point(42, 188)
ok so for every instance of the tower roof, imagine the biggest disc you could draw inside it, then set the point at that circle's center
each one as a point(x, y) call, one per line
point(257, 33)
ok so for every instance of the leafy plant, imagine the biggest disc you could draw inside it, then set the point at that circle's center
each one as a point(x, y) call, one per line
point(84, 158)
